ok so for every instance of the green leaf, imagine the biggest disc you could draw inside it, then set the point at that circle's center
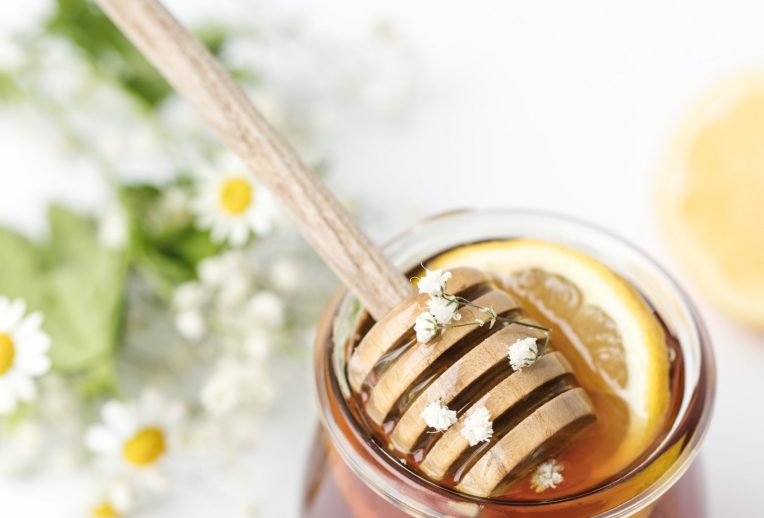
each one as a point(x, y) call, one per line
point(20, 264)
point(87, 27)
point(77, 285)
point(9, 90)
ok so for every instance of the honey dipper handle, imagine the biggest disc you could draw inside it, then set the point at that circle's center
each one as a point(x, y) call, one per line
point(196, 75)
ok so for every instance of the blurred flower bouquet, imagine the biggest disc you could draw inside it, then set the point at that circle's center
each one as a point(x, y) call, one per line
point(130, 338)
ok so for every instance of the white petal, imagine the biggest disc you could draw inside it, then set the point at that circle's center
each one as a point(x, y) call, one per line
point(23, 387)
point(30, 325)
point(219, 231)
point(121, 496)
point(154, 480)
point(117, 417)
point(7, 398)
point(238, 234)
point(33, 364)
point(100, 439)
point(38, 343)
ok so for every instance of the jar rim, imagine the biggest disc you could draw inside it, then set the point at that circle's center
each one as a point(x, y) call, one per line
point(408, 246)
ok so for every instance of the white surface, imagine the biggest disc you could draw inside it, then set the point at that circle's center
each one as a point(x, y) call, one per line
point(559, 105)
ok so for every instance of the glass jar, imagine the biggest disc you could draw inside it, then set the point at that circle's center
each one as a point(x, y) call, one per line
point(350, 475)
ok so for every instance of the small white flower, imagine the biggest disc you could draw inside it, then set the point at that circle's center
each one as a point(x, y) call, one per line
point(547, 475)
point(113, 228)
point(437, 415)
point(23, 353)
point(233, 206)
point(523, 353)
point(426, 327)
point(434, 282)
point(189, 295)
point(136, 438)
point(258, 343)
point(220, 394)
point(443, 310)
point(213, 271)
point(492, 316)
point(266, 308)
point(190, 324)
point(478, 426)
point(286, 275)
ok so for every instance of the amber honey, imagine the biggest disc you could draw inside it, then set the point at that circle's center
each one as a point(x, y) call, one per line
point(596, 478)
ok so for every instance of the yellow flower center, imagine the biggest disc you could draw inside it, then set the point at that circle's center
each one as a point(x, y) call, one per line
point(104, 510)
point(145, 447)
point(7, 352)
point(236, 195)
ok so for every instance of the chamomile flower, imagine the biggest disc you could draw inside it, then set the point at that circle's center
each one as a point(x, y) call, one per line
point(523, 353)
point(136, 438)
point(478, 426)
point(434, 282)
point(118, 500)
point(23, 353)
point(233, 206)
point(547, 475)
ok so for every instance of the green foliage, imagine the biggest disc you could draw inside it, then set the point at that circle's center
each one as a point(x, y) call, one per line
point(79, 287)
point(85, 25)
point(165, 252)
point(89, 29)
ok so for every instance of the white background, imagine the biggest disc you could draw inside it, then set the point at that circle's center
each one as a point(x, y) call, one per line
point(560, 105)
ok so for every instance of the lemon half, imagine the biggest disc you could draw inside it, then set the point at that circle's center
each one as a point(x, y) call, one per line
point(710, 192)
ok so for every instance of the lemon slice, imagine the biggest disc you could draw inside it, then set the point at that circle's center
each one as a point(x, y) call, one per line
point(710, 194)
point(621, 341)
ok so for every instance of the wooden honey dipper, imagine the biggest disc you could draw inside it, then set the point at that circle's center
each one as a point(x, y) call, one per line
point(384, 292)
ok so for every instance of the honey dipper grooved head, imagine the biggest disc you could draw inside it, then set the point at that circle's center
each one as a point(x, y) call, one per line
point(465, 368)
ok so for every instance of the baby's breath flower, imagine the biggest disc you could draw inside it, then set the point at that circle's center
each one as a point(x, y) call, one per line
point(443, 310)
point(523, 353)
point(478, 426)
point(266, 308)
point(426, 326)
point(190, 324)
point(434, 282)
point(437, 415)
point(492, 316)
point(547, 475)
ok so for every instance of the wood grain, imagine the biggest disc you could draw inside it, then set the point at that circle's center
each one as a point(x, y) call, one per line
point(524, 439)
point(499, 400)
point(196, 75)
point(456, 379)
point(398, 323)
point(415, 361)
